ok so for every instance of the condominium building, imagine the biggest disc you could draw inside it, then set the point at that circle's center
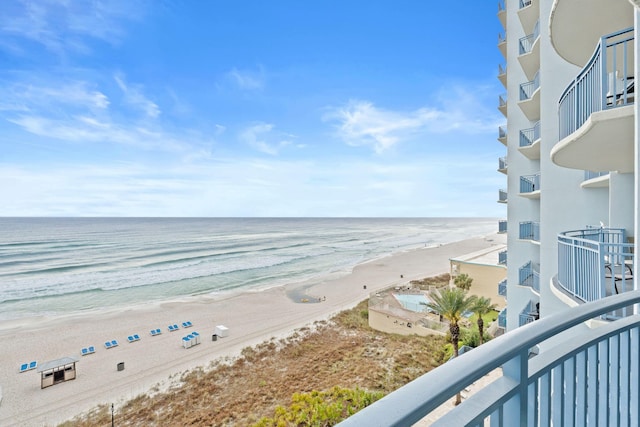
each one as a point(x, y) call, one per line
point(571, 351)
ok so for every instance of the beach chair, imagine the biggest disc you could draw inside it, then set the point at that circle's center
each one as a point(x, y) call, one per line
point(111, 344)
point(133, 338)
point(187, 324)
point(173, 328)
point(155, 332)
point(88, 350)
point(28, 366)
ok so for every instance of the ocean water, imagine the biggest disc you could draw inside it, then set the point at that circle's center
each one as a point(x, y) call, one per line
point(64, 265)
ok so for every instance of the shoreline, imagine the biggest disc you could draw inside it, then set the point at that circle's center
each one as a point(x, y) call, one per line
point(251, 316)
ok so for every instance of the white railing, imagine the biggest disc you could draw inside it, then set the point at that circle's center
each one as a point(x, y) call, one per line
point(524, 3)
point(529, 136)
point(529, 230)
point(594, 263)
point(502, 288)
point(502, 132)
point(529, 183)
point(591, 175)
point(530, 313)
point(607, 81)
point(502, 195)
point(502, 163)
point(583, 377)
point(527, 89)
point(529, 276)
point(526, 43)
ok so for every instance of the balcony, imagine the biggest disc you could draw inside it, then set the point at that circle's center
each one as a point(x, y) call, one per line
point(502, 288)
point(502, 226)
point(596, 110)
point(502, 74)
point(595, 180)
point(529, 52)
point(594, 263)
point(502, 135)
point(530, 186)
point(502, 258)
point(502, 104)
point(530, 313)
point(530, 230)
point(529, 13)
point(583, 377)
point(530, 98)
point(502, 13)
point(530, 142)
point(502, 318)
point(529, 276)
point(502, 43)
point(575, 26)
point(502, 196)
point(502, 165)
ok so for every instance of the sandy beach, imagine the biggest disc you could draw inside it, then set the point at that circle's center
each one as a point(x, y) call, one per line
point(251, 317)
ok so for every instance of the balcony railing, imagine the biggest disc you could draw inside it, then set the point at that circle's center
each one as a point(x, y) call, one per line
point(529, 183)
point(591, 175)
point(502, 70)
point(502, 288)
point(502, 37)
point(501, 5)
point(502, 196)
point(502, 100)
point(502, 132)
point(529, 136)
point(502, 163)
point(583, 377)
point(502, 226)
point(526, 43)
point(530, 230)
point(502, 318)
point(529, 276)
point(502, 258)
point(598, 87)
point(594, 263)
point(527, 89)
point(524, 3)
point(530, 313)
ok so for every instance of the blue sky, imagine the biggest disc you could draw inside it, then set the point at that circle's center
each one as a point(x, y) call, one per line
point(249, 108)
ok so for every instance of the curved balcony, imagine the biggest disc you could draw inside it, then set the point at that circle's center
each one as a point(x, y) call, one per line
point(529, 230)
point(529, 13)
point(502, 165)
point(595, 180)
point(502, 13)
point(530, 142)
point(529, 276)
point(575, 26)
point(530, 186)
point(502, 288)
point(502, 257)
point(594, 263)
point(502, 196)
point(583, 376)
point(595, 112)
point(530, 98)
point(530, 313)
point(502, 135)
point(502, 318)
point(529, 52)
point(502, 104)
point(502, 74)
point(502, 43)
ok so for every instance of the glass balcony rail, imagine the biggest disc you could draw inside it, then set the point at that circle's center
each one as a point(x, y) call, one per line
point(594, 263)
point(502, 70)
point(502, 163)
point(502, 100)
point(597, 87)
point(591, 175)
point(526, 43)
point(529, 183)
point(583, 376)
point(527, 89)
point(502, 196)
point(502, 288)
point(501, 5)
point(502, 37)
point(502, 226)
point(502, 258)
point(530, 230)
point(524, 3)
point(502, 132)
point(502, 318)
point(530, 313)
point(529, 136)
point(528, 275)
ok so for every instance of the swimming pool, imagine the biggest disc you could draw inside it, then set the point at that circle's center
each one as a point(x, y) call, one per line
point(413, 302)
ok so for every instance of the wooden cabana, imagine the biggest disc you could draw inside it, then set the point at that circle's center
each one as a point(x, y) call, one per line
point(57, 371)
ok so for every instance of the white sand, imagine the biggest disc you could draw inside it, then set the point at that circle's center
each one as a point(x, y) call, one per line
point(251, 318)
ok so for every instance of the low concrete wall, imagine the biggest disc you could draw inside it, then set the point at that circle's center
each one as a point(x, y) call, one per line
point(387, 322)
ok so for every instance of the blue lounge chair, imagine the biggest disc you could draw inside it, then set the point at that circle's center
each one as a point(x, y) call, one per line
point(111, 344)
point(88, 350)
point(155, 332)
point(28, 366)
point(133, 338)
point(173, 328)
point(187, 324)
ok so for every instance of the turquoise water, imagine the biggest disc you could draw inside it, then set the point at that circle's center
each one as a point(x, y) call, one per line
point(413, 302)
point(62, 265)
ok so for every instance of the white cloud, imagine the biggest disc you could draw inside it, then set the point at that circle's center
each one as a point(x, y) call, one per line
point(134, 96)
point(261, 137)
point(247, 80)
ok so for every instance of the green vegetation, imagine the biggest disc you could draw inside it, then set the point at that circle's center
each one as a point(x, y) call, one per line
point(481, 306)
point(463, 281)
point(319, 408)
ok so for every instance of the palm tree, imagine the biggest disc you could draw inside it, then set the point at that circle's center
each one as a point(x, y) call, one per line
point(481, 306)
point(450, 303)
point(463, 281)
